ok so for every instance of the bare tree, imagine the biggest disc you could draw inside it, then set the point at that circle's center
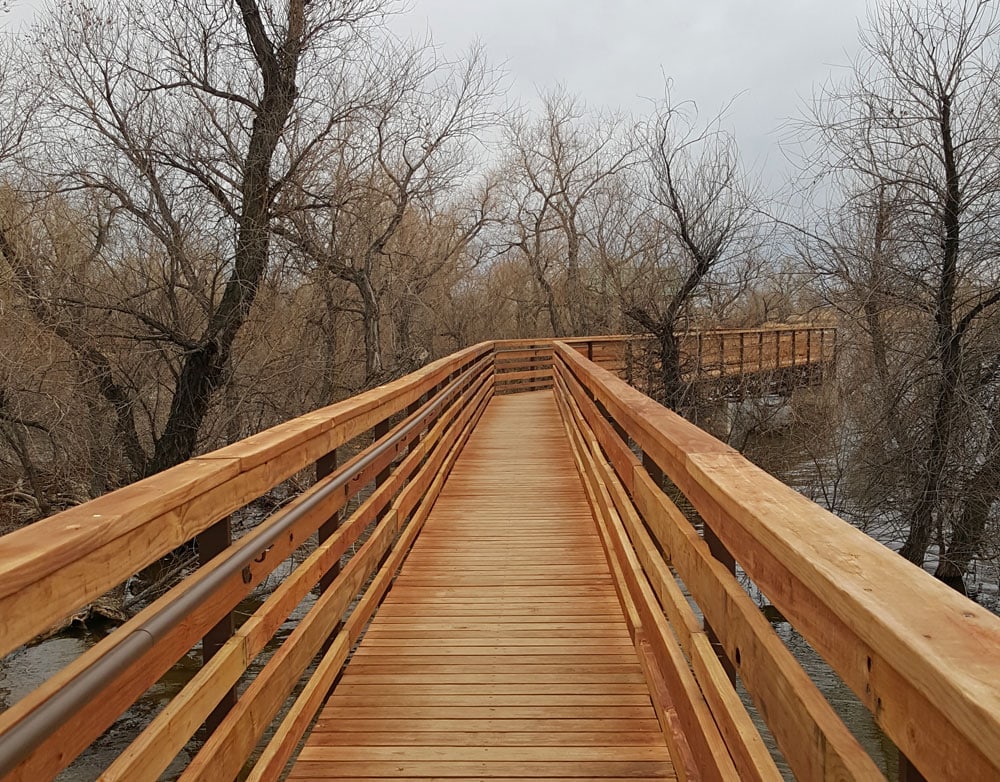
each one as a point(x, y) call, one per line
point(910, 142)
point(405, 153)
point(555, 168)
point(704, 224)
point(188, 120)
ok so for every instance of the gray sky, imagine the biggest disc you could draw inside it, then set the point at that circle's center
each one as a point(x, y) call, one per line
point(768, 54)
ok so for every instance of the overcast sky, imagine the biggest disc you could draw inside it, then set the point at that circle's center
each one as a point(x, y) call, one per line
point(768, 54)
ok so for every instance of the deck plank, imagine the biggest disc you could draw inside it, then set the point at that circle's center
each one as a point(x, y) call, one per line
point(501, 651)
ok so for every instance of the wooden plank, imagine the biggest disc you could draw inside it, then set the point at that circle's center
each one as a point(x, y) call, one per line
point(487, 659)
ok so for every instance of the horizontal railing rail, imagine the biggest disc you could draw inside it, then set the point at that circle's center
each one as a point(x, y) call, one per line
point(924, 660)
point(522, 365)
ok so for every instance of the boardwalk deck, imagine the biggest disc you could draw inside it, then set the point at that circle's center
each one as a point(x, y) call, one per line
point(501, 652)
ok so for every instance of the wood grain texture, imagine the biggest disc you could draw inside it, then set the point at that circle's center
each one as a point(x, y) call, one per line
point(501, 651)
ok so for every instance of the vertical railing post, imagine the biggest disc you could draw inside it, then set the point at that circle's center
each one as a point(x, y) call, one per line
point(410, 411)
point(743, 335)
point(325, 466)
point(722, 354)
point(212, 542)
point(794, 348)
point(760, 350)
point(699, 346)
point(380, 430)
point(721, 553)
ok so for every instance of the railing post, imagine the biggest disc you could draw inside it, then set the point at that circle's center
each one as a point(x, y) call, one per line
point(743, 335)
point(794, 348)
point(325, 465)
point(409, 412)
point(212, 542)
point(721, 553)
point(908, 772)
point(381, 430)
point(760, 350)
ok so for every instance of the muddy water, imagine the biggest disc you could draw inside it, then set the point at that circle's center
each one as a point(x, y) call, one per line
point(29, 667)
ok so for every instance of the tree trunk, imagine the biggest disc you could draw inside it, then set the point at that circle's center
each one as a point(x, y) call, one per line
point(203, 368)
point(949, 348)
point(670, 369)
point(371, 316)
point(982, 493)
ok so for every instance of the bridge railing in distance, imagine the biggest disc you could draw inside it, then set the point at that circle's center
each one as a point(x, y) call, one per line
point(522, 365)
point(922, 658)
point(716, 353)
point(404, 436)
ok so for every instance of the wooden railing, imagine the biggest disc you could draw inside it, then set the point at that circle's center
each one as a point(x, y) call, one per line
point(923, 659)
point(717, 353)
point(407, 433)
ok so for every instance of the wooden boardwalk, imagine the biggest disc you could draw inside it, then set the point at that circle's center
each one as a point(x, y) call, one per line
point(501, 651)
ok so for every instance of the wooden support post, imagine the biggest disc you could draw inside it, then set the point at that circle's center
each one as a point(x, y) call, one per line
point(325, 465)
point(721, 553)
point(698, 354)
point(794, 347)
point(743, 335)
point(212, 542)
point(411, 410)
point(722, 355)
point(908, 772)
point(381, 430)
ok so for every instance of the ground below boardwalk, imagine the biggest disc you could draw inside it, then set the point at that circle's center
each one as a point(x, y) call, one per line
point(501, 652)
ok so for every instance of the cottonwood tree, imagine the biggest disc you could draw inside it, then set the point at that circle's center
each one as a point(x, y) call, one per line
point(909, 141)
point(399, 158)
point(704, 235)
point(555, 167)
point(187, 120)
